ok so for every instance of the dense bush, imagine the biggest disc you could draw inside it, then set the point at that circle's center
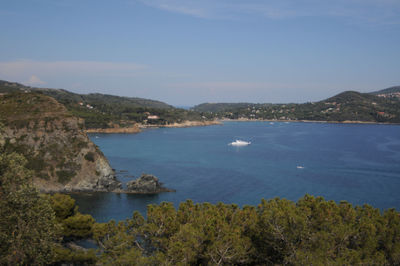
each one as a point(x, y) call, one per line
point(66, 256)
point(64, 176)
point(78, 225)
point(28, 229)
point(90, 156)
point(278, 231)
point(63, 206)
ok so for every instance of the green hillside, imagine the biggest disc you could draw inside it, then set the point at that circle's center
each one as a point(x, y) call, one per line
point(65, 96)
point(346, 106)
point(103, 111)
point(223, 107)
point(395, 89)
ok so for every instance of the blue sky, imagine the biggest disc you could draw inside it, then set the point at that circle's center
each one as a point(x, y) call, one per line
point(187, 52)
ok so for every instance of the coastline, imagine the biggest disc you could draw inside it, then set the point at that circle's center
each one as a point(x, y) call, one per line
point(308, 121)
point(185, 124)
point(137, 128)
point(121, 191)
point(112, 130)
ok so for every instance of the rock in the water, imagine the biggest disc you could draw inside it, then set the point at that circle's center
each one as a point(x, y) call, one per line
point(147, 184)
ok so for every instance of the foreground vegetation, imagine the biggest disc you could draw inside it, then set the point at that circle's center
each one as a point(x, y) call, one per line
point(277, 231)
point(38, 229)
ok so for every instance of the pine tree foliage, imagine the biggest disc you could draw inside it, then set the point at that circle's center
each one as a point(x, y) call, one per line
point(276, 232)
point(27, 222)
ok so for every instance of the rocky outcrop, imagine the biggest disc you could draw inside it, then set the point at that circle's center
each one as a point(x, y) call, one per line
point(146, 184)
point(60, 154)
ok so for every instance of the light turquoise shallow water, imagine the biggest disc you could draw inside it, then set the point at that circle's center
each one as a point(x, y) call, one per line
point(357, 163)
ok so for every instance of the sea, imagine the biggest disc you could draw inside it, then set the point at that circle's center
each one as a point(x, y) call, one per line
point(357, 163)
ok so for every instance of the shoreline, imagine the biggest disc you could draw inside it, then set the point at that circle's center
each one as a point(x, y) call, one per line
point(309, 121)
point(114, 130)
point(138, 127)
point(185, 124)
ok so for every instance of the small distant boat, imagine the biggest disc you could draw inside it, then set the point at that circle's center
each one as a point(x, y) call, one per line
point(300, 167)
point(97, 137)
point(271, 123)
point(240, 143)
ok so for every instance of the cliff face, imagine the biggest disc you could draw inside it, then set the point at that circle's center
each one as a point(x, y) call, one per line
point(53, 141)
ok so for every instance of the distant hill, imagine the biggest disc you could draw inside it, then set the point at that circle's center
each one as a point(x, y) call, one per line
point(392, 92)
point(65, 96)
point(346, 106)
point(223, 107)
point(108, 111)
point(105, 111)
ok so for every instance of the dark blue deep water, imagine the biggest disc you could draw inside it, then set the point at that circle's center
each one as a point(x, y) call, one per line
point(352, 162)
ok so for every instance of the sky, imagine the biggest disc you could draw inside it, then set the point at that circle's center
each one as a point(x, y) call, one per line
point(186, 52)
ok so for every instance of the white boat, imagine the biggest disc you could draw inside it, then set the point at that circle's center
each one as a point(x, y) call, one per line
point(300, 167)
point(240, 143)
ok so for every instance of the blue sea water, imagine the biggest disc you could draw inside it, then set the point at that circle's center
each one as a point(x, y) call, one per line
point(354, 162)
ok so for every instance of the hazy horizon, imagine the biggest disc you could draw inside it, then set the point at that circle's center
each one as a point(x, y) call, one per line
point(190, 106)
point(190, 52)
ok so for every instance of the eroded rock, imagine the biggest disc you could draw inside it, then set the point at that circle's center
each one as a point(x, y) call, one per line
point(146, 184)
point(58, 151)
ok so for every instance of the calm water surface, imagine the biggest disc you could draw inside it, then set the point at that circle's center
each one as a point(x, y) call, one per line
point(356, 163)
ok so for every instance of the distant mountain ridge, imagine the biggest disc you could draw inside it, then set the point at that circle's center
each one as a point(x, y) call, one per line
point(218, 107)
point(110, 111)
point(346, 106)
point(63, 96)
point(394, 89)
point(103, 111)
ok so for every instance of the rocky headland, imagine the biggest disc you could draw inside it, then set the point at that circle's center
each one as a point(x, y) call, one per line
point(58, 151)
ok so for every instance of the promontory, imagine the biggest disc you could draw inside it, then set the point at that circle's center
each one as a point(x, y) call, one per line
point(54, 143)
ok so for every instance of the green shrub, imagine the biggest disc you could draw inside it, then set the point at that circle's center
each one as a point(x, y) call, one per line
point(64, 176)
point(36, 163)
point(79, 225)
point(44, 176)
point(276, 232)
point(63, 206)
point(80, 144)
point(89, 156)
point(65, 256)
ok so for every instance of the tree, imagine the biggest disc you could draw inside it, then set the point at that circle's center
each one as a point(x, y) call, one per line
point(28, 227)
